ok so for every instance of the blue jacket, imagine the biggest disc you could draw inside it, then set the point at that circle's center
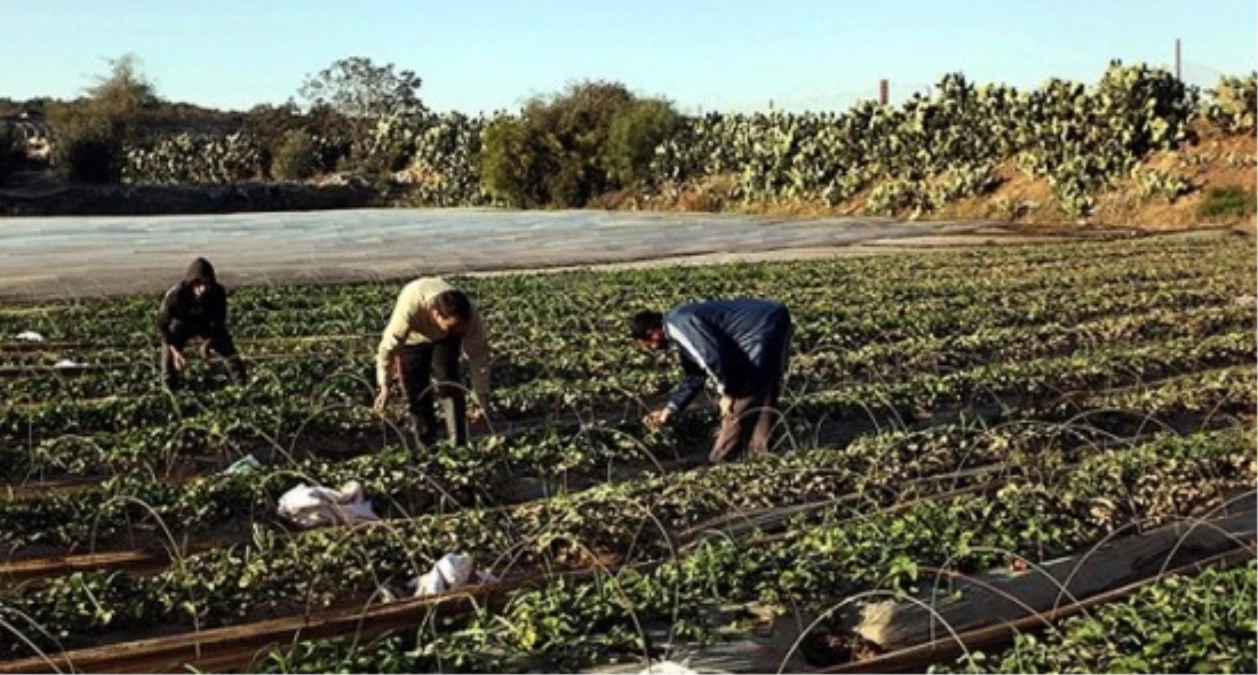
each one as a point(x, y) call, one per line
point(741, 345)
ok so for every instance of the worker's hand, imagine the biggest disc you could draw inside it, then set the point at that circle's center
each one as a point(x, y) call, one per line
point(382, 399)
point(726, 405)
point(655, 420)
point(176, 357)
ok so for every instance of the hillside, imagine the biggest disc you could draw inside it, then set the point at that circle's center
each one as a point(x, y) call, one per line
point(1137, 147)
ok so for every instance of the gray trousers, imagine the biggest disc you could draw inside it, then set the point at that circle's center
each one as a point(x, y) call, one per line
point(749, 424)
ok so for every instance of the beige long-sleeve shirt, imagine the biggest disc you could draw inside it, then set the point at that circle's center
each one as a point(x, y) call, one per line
point(412, 323)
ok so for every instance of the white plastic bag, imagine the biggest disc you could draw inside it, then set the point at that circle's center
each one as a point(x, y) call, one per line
point(310, 506)
point(68, 363)
point(667, 668)
point(30, 336)
point(452, 572)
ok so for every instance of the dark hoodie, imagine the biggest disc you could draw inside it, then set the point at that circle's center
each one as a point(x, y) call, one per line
point(183, 312)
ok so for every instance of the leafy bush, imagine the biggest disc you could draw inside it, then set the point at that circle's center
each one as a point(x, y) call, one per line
point(298, 158)
point(89, 151)
point(897, 195)
point(444, 158)
point(1227, 202)
point(270, 127)
point(1235, 105)
point(1157, 183)
point(515, 163)
point(195, 159)
point(635, 133)
point(555, 152)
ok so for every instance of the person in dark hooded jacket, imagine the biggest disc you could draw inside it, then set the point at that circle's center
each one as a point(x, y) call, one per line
point(196, 308)
point(742, 347)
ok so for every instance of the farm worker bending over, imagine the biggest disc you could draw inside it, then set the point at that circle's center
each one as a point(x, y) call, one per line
point(431, 323)
point(196, 307)
point(743, 346)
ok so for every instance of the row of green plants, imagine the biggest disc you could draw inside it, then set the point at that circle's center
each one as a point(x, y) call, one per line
point(284, 397)
point(843, 314)
point(1197, 624)
point(282, 413)
point(340, 378)
point(402, 480)
point(217, 437)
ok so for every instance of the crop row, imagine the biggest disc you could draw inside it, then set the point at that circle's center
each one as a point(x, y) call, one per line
point(405, 481)
point(222, 426)
point(1201, 624)
point(872, 360)
point(402, 481)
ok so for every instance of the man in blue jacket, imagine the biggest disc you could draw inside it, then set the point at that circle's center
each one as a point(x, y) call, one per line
point(742, 347)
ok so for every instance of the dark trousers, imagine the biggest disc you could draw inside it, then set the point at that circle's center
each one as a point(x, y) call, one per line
point(428, 369)
point(749, 425)
point(220, 343)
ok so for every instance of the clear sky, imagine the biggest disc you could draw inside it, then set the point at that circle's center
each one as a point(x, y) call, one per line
point(703, 54)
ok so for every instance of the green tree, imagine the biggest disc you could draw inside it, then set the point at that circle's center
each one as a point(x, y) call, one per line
point(123, 97)
point(357, 92)
point(555, 153)
point(298, 157)
point(634, 135)
point(515, 162)
point(357, 88)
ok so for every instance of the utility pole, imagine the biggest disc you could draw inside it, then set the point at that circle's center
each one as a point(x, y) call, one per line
point(1179, 73)
point(884, 91)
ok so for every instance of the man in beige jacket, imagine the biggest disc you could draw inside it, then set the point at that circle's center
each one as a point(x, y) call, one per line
point(431, 323)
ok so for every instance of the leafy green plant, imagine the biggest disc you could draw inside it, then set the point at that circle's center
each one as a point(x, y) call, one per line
point(298, 158)
point(192, 159)
point(89, 152)
point(1227, 202)
point(555, 153)
point(634, 134)
point(1201, 624)
point(516, 163)
point(1166, 185)
point(1234, 107)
